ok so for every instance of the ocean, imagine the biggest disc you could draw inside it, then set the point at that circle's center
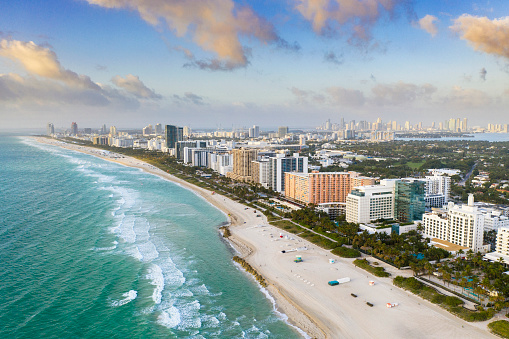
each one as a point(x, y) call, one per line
point(93, 249)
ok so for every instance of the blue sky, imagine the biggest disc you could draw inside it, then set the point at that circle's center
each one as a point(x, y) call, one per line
point(237, 63)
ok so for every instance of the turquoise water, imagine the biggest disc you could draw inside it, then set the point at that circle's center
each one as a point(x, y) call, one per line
point(93, 249)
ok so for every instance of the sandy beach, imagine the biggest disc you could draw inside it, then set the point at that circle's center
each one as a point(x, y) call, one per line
point(301, 290)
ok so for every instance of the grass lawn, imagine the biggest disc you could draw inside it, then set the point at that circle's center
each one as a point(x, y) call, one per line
point(415, 165)
point(287, 226)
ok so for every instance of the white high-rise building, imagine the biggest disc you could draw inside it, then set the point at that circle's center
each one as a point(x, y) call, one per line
point(221, 163)
point(494, 219)
point(254, 132)
point(461, 225)
point(437, 190)
point(502, 246)
point(367, 203)
point(281, 164)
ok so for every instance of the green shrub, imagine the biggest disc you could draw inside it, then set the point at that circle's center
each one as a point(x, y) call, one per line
point(453, 301)
point(414, 284)
point(438, 299)
point(346, 252)
point(377, 271)
point(500, 327)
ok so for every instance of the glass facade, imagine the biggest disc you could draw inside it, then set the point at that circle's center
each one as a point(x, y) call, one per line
point(409, 200)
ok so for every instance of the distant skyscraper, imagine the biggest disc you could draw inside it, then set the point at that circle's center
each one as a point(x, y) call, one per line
point(172, 135)
point(113, 131)
point(159, 129)
point(147, 130)
point(254, 132)
point(104, 129)
point(465, 126)
point(74, 128)
point(282, 131)
point(51, 129)
point(342, 123)
point(186, 131)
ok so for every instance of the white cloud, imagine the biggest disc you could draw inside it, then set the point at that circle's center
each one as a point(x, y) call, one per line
point(132, 84)
point(43, 62)
point(428, 24)
point(483, 34)
point(214, 25)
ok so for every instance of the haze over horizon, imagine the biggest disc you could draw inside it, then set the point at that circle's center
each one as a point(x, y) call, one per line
point(222, 62)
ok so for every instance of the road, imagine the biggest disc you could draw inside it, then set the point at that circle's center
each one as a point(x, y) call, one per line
point(462, 182)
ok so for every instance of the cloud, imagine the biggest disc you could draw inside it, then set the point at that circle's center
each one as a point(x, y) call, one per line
point(333, 58)
point(43, 62)
point(428, 24)
point(49, 83)
point(482, 74)
point(214, 65)
point(466, 98)
point(187, 53)
point(304, 97)
point(214, 25)
point(16, 89)
point(101, 68)
point(189, 98)
point(400, 93)
point(132, 84)
point(353, 17)
point(483, 34)
point(344, 96)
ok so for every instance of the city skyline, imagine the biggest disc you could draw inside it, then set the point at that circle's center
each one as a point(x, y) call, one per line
point(223, 63)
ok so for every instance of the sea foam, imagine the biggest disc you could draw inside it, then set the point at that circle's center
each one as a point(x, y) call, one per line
point(169, 318)
point(129, 296)
point(155, 274)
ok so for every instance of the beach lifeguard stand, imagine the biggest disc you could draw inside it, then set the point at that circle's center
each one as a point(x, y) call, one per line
point(298, 258)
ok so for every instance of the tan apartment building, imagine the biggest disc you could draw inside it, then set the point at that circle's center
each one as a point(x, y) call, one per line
point(243, 164)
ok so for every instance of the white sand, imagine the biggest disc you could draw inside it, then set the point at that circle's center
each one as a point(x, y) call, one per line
point(301, 290)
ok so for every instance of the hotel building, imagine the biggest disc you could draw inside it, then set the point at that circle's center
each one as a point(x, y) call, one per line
point(367, 203)
point(459, 224)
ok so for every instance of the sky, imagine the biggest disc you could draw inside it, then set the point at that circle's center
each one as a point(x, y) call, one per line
point(230, 64)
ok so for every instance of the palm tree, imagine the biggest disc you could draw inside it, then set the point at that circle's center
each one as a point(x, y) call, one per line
point(429, 268)
point(447, 277)
point(470, 254)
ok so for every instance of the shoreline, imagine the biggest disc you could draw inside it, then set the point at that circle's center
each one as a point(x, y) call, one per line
point(285, 307)
point(300, 290)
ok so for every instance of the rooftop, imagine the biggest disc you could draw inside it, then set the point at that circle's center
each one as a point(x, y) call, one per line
point(446, 245)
